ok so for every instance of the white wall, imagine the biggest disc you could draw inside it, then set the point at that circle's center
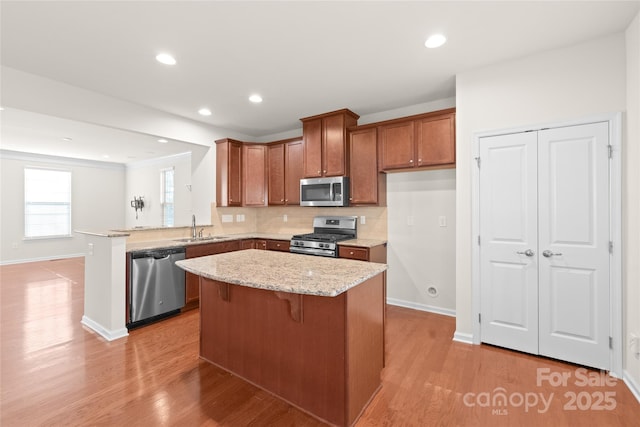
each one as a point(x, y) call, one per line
point(631, 203)
point(143, 179)
point(552, 86)
point(97, 194)
point(420, 252)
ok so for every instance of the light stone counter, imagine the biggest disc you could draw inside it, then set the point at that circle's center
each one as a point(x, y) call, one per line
point(284, 272)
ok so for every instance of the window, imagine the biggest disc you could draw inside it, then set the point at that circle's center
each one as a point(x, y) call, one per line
point(47, 203)
point(166, 196)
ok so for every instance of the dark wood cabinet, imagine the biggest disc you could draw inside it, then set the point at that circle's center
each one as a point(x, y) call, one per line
point(397, 150)
point(228, 172)
point(254, 175)
point(421, 141)
point(325, 138)
point(277, 245)
point(435, 140)
point(367, 184)
point(192, 283)
point(372, 254)
point(285, 172)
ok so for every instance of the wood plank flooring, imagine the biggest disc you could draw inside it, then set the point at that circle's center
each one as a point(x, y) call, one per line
point(55, 372)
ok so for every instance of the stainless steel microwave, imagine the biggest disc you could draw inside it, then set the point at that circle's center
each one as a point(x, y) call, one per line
point(330, 191)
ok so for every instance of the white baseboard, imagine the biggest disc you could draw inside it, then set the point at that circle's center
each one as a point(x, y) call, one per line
point(48, 258)
point(632, 384)
point(421, 307)
point(102, 331)
point(463, 337)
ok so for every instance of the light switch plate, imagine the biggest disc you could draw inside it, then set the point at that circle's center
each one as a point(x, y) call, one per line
point(240, 218)
point(442, 221)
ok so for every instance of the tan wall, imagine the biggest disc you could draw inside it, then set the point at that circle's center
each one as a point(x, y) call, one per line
point(299, 220)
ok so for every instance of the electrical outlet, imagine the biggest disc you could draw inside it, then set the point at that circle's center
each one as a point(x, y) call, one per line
point(442, 221)
point(363, 220)
point(90, 249)
point(227, 218)
point(285, 218)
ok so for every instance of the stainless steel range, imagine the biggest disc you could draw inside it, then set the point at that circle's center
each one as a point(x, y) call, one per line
point(327, 231)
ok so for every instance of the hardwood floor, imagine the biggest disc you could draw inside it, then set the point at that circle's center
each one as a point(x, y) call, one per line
point(56, 372)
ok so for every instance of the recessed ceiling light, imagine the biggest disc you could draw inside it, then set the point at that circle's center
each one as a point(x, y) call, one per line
point(204, 112)
point(162, 141)
point(105, 156)
point(436, 40)
point(166, 59)
point(255, 98)
point(66, 138)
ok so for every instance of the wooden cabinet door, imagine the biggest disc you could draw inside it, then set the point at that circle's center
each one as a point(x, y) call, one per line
point(248, 244)
point(294, 152)
point(228, 173)
point(333, 148)
point(435, 140)
point(396, 145)
point(312, 136)
point(255, 175)
point(277, 245)
point(277, 176)
point(363, 167)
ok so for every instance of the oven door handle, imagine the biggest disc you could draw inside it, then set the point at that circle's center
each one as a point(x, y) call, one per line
point(313, 251)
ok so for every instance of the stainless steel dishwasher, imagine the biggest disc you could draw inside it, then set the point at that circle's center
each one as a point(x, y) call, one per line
point(156, 285)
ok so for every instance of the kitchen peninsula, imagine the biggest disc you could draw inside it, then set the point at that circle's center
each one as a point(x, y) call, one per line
point(307, 329)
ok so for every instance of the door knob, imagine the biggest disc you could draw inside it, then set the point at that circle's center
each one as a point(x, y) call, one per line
point(549, 254)
point(528, 252)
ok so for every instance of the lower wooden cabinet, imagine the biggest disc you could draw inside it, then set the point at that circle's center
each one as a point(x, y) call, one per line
point(192, 283)
point(372, 254)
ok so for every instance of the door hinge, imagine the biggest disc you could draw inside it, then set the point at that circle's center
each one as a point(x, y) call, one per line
point(610, 247)
point(478, 161)
point(611, 343)
point(479, 318)
point(478, 240)
point(610, 147)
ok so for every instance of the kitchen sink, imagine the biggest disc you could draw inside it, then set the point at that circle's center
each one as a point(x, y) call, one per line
point(199, 239)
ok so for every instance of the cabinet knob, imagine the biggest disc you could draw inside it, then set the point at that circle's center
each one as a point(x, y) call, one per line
point(318, 172)
point(286, 200)
point(411, 161)
point(282, 200)
point(351, 253)
point(419, 160)
point(278, 244)
point(324, 171)
point(350, 198)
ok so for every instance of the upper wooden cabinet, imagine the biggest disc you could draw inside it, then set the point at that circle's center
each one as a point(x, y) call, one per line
point(367, 184)
point(285, 172)
point(228, 172)
point(254, 176)
point(421, 141)
point(325, 139)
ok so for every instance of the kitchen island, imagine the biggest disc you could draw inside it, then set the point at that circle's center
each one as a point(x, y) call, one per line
point(307, 329)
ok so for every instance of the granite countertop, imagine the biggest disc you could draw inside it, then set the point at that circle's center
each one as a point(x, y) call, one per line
point(283, 271)
point(157, 227)
point(172, 243)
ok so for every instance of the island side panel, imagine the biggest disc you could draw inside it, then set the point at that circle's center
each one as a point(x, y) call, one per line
point(365, 343)
point(253, 335)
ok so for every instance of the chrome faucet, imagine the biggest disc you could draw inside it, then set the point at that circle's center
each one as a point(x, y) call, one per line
point(193, 227)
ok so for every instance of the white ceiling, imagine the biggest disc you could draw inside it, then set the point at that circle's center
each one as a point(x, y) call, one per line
point(304, 58)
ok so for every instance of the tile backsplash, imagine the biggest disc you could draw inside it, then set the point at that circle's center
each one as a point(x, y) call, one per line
point(295, 220)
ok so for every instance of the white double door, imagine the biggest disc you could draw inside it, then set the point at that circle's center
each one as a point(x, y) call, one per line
point(544, 243)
